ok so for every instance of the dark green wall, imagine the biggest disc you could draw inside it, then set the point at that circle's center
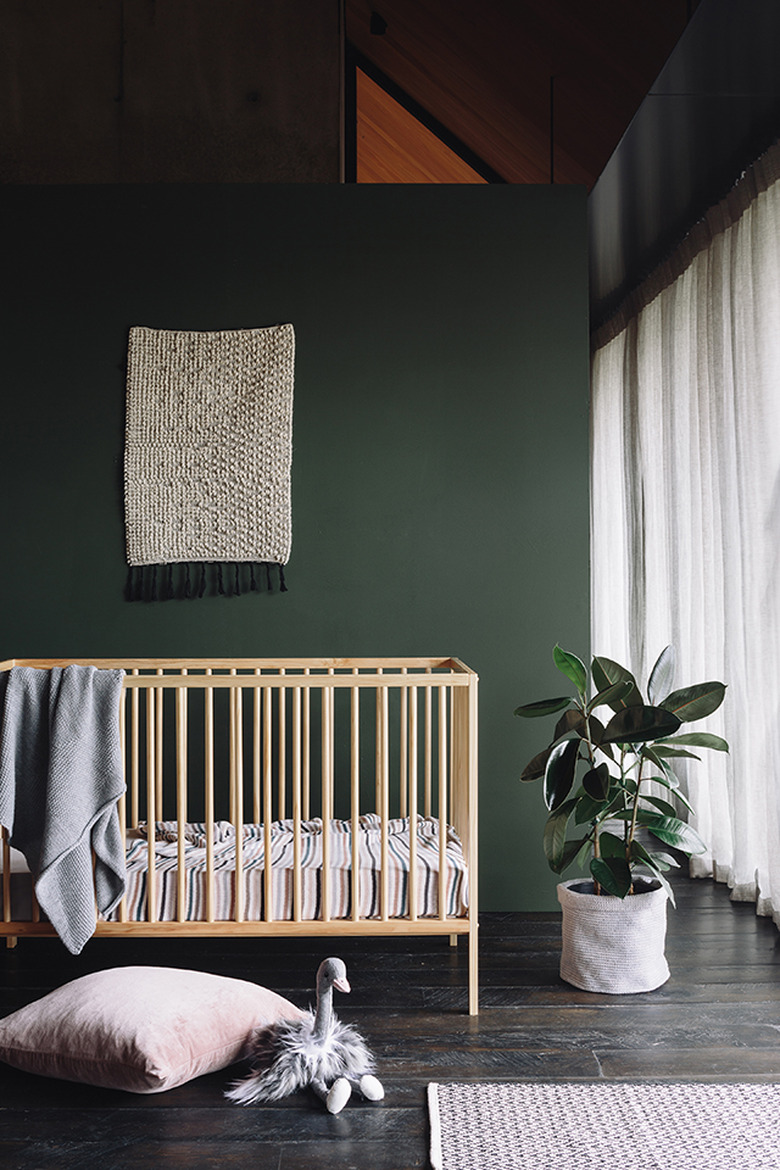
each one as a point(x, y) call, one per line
point(440, 467)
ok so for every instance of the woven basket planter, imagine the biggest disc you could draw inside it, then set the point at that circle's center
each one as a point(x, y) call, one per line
point(613, 945)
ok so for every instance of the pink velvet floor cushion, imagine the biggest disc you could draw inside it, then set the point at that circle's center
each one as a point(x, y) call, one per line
point(144, 1029)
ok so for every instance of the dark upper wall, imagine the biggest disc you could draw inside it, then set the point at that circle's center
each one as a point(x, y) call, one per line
point(440, 469)
point(136, 91)
point(714, 108)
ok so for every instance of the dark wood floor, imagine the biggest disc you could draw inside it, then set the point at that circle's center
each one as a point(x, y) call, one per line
point(718, 1018)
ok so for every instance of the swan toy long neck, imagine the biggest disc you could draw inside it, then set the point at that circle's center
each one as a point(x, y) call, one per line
point(332, 973)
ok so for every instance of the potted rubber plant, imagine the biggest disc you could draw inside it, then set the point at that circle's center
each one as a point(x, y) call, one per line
point(614, 805)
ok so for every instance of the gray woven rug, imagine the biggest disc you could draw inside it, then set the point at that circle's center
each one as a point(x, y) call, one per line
point(597, 1126)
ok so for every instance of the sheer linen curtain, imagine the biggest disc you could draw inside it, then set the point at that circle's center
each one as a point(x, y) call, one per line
point(686, 510)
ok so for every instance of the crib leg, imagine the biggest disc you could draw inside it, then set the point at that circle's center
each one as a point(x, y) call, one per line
point(11, 941)
point(473, 971)
point(453, 940)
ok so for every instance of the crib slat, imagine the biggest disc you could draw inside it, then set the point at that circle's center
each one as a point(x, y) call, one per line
point(236, 787)
point(327, 793)
point(404, 756)
point(428, 749)
point(181, 801)
point(232, 751)
point(384, 800)
point(443, 781)
point(354, 739)
point(151, 806)
point(306, 755)
point(135, 696)
point(413, 806)
point(377, 748)
point(281, 749)
point(256, 756)
point(158, 691)
point(122, 803)
point(267, 813)
point(208, 748)
point(296, 799)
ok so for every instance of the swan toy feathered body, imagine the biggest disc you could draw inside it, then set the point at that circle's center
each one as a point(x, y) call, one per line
point(317, 1052)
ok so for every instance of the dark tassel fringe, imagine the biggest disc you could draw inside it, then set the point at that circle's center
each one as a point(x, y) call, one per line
point(214, 579)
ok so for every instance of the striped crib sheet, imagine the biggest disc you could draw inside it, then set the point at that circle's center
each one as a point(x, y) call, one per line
point(282, 862)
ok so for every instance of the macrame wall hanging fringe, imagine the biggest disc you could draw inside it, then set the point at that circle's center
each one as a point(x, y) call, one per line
point(175, 582)
point(208, 454)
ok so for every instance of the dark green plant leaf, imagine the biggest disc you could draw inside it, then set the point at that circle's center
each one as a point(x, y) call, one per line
point(596, 730)
point(589, 810)
point(648, 752)
point(695, 702)
point(640, 856)
point(664, 861)
point(672, 831)
point(612, 874)
point(582, 859)
point(537, 766)
point(559, 773)
point(571, 721)
point(612, 697)
point(554, 838)
point(611, 846)
point(606, 673)
point(663, 806)
point(569, 853)
point(543, 707)
point(573, 667)
point(673, 785)
point(596, 782)
point(661, 677)
point(699, 739)
point(662, 878)
point(640, 724)
point(664, 752)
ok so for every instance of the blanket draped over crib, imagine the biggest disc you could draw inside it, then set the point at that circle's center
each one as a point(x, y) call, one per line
point(60, 780)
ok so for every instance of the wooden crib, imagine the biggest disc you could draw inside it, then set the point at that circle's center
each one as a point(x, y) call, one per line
point(356, 778)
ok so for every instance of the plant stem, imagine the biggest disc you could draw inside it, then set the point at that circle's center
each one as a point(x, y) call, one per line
point(596, 853)
point(634, 814)
point(592, 755)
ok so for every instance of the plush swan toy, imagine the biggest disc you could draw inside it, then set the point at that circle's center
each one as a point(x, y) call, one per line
point(317, 1051)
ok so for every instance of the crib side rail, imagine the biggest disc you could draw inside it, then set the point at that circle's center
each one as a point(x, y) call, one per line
point(231, 744)
point(397, 743)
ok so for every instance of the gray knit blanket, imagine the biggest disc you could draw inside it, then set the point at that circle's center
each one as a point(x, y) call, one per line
point(60, 779)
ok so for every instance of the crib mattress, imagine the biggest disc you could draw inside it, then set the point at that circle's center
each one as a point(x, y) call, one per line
point(282, 860)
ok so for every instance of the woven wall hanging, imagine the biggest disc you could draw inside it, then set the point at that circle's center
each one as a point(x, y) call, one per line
point(208, 453)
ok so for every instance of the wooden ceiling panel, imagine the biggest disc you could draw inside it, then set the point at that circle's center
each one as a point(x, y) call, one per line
point(487, 70)
point(394, 147)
